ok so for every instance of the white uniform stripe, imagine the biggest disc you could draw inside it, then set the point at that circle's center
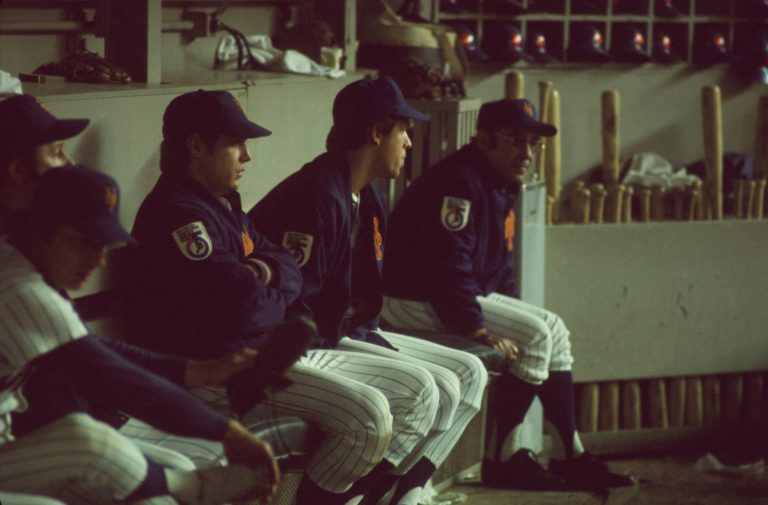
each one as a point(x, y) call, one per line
point(541, 335)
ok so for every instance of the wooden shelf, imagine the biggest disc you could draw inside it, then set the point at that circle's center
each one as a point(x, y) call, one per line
point(558, 17)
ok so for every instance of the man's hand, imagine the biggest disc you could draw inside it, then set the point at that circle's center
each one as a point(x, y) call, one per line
point(504, 346)
point(215, 372)
point(240, 446)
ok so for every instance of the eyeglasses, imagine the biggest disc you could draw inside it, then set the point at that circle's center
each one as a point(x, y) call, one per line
point(535, 144)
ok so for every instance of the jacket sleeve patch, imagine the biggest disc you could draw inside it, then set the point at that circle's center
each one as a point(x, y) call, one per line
point(455, 213)
point(193, 241)
point(299, 245)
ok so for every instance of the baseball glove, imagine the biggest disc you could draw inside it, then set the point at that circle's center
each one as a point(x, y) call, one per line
point(85, 66)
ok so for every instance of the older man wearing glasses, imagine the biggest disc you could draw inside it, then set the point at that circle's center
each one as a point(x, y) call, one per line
point(448, 268)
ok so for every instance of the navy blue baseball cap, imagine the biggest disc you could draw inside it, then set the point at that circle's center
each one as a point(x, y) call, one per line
point(82, 198)
point(587, 45)
point(25, 120)
point(519, 114)
point(629, 45)
point(208, 112)
point(366, 101)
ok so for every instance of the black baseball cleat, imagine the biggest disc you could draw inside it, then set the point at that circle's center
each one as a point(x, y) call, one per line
point(286, 344)
point(522, 471)
point(587, 472)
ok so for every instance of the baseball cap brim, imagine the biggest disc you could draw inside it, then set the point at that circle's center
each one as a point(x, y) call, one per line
point(247, 130)
point(408, 112)
point(537, 128)
point(63, 129)
point(108, 231)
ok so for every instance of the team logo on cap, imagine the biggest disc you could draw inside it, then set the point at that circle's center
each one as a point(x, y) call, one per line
point(238, 104)
point(42, 106)
point(527, 108)
point(299, 244)
point(455, 213)
point(193, 241)
point(110, 198)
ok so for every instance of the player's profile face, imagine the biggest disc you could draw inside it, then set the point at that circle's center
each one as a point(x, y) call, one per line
point(394, 148)
point(224, 164)
point(51, 155)
point(510, 152)
point(71, 257)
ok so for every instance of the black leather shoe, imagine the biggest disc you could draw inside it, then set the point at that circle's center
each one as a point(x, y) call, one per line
point(522, 471)
point(587, 472)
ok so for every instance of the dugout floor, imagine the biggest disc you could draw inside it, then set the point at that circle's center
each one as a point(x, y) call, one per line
point(664, 480)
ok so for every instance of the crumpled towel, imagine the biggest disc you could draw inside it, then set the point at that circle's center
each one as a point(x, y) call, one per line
point(269, 57)
point(710, 463)
point(9, 85)
point(650, 169)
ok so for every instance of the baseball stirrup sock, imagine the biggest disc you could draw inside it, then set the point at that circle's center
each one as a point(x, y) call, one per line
point(154, 484)
point(557, 398)
point(512, 399)
point(411, 485)
point(310, 493)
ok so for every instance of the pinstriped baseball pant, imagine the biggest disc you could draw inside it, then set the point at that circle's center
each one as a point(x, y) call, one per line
point(460, 377)
point(540, 335)
point(77, 460)
point(369, 408)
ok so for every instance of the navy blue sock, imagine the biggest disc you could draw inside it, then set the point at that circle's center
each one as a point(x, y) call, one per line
point(557, 398)
point(511, 401)
point(154, 484)
point(414, 478)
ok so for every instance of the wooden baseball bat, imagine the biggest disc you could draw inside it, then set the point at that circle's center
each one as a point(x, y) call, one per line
point(753, 397)
point(732, 394)
point(761, 140)
point(645, 204)
point(581, 205)
point(713, 148)
point(699, 204)
point(613, 203)
point(757, 209)
point(658, 207)
point(738, 198)
point(550, 211)
point(626, 201)
point(610, 110)
point(609, 406)
point(514, 85)
point(676, 401)
point(631, 406)
point(694, 401)
point(712, 399)
point(677, 203)
point(657, 404)
point(574, 207)
point(590, 405)
point(598, 201)
point(553, 158)
point(545, 97)
point(749, 201)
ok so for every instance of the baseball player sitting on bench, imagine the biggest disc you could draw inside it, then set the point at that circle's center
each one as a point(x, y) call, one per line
point(448, 268)
point(333, 220)
point(31, 142)
point(207, 283)
point(54, 372)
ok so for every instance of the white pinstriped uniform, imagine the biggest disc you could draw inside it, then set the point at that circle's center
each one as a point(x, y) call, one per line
point(460, 377)
point(369, 407)
point(540, 335)
point(75, 457)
